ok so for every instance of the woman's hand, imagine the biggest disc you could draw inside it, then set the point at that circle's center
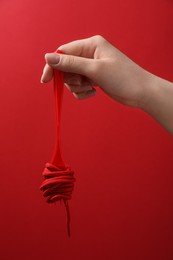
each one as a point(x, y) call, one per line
point(95, 62)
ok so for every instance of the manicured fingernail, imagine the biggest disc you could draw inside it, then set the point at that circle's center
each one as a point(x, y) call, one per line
point(41, 79)
point(52, 58)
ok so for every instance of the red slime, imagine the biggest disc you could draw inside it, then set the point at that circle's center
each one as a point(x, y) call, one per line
point(58, 181)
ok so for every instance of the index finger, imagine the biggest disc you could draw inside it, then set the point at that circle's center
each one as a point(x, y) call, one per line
point(83, 48)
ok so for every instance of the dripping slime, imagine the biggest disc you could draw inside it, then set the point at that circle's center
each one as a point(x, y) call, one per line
point(59, 179)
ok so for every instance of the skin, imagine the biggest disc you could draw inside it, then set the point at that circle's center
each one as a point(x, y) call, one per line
point(95, 62)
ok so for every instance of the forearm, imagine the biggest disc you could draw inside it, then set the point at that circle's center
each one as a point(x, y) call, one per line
point(159, 102)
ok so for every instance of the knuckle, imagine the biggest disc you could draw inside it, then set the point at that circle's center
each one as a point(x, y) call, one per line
point(70, 61)
point(99, 38)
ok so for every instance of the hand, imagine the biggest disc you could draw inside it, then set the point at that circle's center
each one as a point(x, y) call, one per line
point(95, 62)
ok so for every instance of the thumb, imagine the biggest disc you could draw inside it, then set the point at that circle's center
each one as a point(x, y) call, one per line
point(69, 63)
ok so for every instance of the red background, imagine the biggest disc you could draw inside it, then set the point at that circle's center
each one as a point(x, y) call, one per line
point(122, 203)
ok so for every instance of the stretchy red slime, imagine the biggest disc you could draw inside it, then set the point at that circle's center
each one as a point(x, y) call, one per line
point(58, 181)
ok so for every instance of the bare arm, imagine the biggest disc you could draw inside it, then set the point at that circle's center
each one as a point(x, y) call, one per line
point(159, 103)
point(95, 62)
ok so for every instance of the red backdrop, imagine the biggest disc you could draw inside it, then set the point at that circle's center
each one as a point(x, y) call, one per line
point(122, 203)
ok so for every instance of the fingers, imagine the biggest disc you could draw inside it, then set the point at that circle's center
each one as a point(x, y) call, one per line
point(80, 86)
point(79, 57)
point(87, 48)
point(70, 63)
point(78, 89)
point(66, 63)
point(83, 48)
point(84, 95)
point(73, 79)
point(79, 64)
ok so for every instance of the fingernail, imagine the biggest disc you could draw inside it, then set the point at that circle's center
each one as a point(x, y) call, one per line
point(52, 58)
point(41, 79)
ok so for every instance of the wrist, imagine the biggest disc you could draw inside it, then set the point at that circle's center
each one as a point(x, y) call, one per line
point(151, 88)
point(158, 102)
